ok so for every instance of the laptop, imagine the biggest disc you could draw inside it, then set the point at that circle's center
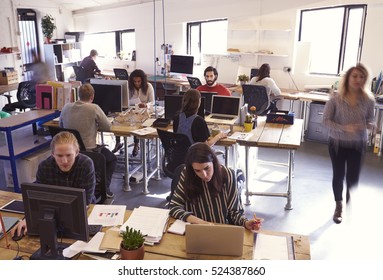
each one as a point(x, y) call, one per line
point(224, 110)
point(224, 240)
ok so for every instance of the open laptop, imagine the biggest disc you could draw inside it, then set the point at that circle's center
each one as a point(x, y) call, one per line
point(224, 110)
point(224, 240)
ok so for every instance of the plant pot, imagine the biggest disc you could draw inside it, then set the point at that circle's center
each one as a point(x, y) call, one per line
point(248, 126)
point(137, 254)
point(47, 40)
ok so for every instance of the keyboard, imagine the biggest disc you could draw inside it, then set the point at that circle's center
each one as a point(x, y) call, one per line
point(221, 118)
point(93, 229)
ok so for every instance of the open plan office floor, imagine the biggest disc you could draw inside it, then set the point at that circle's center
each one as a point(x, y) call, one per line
point(359, 236)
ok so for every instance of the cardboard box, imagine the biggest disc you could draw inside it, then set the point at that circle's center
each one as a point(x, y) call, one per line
point(283, 117)
point(8, 77)
point(26, 167)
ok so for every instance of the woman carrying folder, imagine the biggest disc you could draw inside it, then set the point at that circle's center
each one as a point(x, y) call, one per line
point(207, 192)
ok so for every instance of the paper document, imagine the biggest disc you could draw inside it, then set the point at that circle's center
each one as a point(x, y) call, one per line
point(145, 131)
point(273, 247)
point(112, 240)
point(107, 215)
point(178, 227)
point(80, 246)
point(240, 135)
point(150, 221)
point(148, 122)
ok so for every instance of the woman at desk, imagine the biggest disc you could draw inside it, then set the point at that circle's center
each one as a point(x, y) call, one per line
point(141, 92)
point(207, 192)
point(263, 79)
point(189, 123)
point(348, 115)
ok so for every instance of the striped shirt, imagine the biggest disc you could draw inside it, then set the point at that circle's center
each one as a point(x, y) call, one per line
point(226, 207)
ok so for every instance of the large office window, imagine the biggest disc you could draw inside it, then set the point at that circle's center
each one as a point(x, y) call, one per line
point(335, 35)
point(206, 37)
point(115, 44)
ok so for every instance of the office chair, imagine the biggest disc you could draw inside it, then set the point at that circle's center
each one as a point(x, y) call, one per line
point(194, 82)
point(26, 97)
point(99, 163)
point(80, 73)
point(121, 74)
point(53, 130)
point(176, 146)
point(256, 95)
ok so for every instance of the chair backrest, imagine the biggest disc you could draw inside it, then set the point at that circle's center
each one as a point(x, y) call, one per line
point(99, 163)
point(121, 74)
point(79, 72)
point(194, 82)
point(53, 130)
point(256, 95)
point(26, 94)
point(176, 146)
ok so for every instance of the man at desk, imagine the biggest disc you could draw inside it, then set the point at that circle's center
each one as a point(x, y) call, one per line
point(211, 76)
point(87, 118)
point(89, 65)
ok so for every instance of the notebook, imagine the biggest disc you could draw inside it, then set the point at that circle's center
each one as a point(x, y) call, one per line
point(224, 110)
point(213, 239)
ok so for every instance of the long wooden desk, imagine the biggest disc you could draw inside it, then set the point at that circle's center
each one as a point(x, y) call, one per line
point(171, 247)
point(8, 88)
point(277, 136)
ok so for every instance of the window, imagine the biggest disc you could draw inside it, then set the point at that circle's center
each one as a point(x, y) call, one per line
point(336, 37)
point(114, 44)
point(206, 37)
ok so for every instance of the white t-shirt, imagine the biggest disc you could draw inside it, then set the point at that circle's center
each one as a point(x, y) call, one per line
point(267, 82)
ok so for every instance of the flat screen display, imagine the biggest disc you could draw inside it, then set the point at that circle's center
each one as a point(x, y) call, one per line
point(173, 105)
point(181, 64)
point(108, 97)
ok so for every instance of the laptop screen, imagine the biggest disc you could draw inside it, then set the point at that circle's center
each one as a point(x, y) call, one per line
point(225, 105)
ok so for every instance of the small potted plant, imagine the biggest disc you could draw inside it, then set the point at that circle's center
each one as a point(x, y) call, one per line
point(48, 26)
point(243, 79)
point(248, 124)
point(132, 245)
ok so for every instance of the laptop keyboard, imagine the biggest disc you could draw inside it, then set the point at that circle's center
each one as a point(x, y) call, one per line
point(93, 229)
point(221, 117)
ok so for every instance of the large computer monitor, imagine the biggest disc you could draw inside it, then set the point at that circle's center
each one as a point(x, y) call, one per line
point(54, 212)
point(124, 85)
point(173, 105)
point(181, 64)
point(108, 97)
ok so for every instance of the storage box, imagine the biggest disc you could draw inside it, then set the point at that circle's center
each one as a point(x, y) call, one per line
point(26, 167)
point(283, 117)
point(8, 77)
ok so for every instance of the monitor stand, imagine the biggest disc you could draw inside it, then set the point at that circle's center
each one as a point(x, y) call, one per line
point(50, 249)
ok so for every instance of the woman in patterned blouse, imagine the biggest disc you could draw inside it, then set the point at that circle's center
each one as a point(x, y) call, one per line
point(348, 115)
point(207, 192)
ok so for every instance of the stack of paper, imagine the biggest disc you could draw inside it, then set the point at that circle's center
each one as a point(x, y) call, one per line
point(273, 247)
point(107, 215)
point(150, 221)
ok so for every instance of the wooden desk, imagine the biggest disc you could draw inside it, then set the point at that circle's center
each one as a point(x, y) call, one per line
point(277, 136)
point(8, 88)
point(18, 148)
point(171, 247)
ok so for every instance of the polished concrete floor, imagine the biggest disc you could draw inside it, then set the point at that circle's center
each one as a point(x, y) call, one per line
point(359, 236)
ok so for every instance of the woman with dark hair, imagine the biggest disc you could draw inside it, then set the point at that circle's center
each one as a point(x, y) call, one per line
point(263, 79)
point(141, 92)
point(348, 115)
point(207, 192)
point(189, 123)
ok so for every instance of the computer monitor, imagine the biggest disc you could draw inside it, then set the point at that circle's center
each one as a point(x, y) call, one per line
point(108, 97)
point(173, 105)
point(122, 83)
point(208, 96)
point(54, 212)
point(254, 72)
point(181, 64)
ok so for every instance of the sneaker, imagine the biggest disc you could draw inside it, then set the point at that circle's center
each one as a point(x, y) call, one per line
point(117, 147)
point(109, 194)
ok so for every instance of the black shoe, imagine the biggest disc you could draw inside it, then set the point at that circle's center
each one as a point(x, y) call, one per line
point(117, 147)
point(109, 194)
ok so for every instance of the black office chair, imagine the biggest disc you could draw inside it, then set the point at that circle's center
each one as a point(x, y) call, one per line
point(194, 82)
point(80, 73)
point(121, 74)
point(53, 130)
point(26, 97)
point(176, 146)
point(256, 95)
point(99, 163)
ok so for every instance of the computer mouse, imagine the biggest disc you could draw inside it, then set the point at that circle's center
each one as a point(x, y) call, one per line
point(17, 237)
